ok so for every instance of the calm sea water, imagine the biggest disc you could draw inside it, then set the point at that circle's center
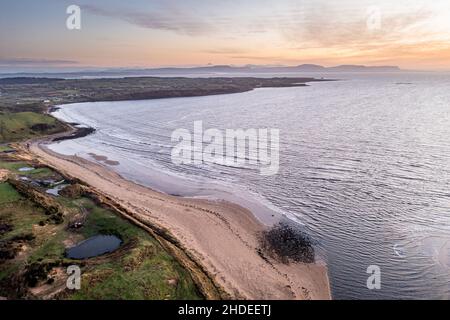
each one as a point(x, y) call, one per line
point(364, 166)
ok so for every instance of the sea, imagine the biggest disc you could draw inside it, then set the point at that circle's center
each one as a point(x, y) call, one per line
point(364, 169)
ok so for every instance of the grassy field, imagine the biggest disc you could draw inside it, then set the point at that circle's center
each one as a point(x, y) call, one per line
point(5, 148)
point(24, 125)
point(139, 269)
point(17, 217)
point(146, 271)
point(15, 166)
point(7, 194)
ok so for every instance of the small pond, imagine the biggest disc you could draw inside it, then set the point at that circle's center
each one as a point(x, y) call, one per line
point(56, 189)
point(94, 246)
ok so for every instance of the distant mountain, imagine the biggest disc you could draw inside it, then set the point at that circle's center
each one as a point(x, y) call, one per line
point(356, 68)
point(310, 68)
point(274, 69)
point(215, 70)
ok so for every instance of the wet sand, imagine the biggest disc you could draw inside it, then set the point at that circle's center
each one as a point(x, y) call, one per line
point(104, 159)
point(221, 236)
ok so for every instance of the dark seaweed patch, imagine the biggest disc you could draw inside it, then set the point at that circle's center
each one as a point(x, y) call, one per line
point(286, 242)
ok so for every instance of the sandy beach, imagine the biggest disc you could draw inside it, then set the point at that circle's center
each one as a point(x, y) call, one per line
point(222, 237)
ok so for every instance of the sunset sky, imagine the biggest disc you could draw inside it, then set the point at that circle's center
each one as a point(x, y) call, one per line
point(413, 34)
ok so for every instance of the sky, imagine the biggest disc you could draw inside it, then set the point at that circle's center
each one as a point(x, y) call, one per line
point(412, 34)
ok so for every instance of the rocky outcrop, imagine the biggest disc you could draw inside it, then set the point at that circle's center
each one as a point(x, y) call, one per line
point(3, 175)
point(73, 191)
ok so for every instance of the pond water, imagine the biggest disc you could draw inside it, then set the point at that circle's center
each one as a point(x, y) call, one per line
point(94, 246)
point(56, 189)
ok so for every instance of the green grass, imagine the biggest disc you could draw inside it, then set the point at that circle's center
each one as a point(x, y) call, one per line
point(21, 214)
point(143, 273)
point(103, 221)
point(148, 281)
point(8, 271)
point(18, 126)
point(13, 166)
point(8, 194)
point(5, 148)
point(51, 249)
point(139, 269)
point(38, 173)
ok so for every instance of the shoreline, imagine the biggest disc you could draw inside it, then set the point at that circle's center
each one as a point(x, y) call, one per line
point(227, 230)
point(216, 241)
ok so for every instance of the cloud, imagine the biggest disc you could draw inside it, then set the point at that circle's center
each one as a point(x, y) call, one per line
point(327, 27)
point(341, 35)
point(307, 24)
point(171, 19)
point(225, 51)
point(24, 62)
point(260, 58)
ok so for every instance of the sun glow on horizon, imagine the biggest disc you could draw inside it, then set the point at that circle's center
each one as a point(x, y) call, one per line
point(410, 34)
